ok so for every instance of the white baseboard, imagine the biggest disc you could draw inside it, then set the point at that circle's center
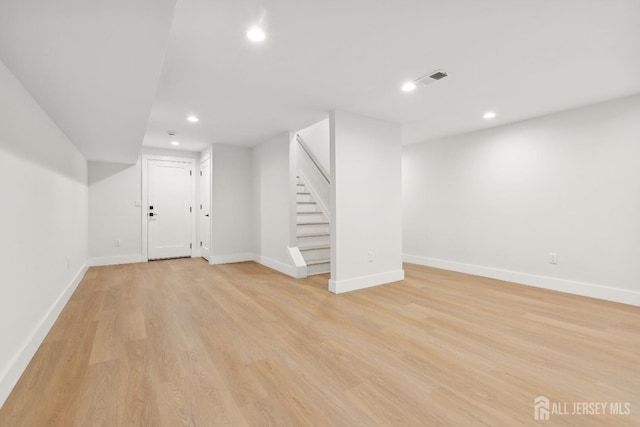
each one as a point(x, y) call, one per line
point(9, 378)
point(624, 296)
point(231, 258)
point(348, 285)
point(283, 268)
point(115, 260)
point(296, 258)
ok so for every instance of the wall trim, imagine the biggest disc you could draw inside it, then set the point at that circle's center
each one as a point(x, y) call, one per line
point(230, 258)
point(12, 373)
point(116, 260)
point(299, 264)
point(362, 282)
point(283, 268)
point(206, 154)
point(624, 296)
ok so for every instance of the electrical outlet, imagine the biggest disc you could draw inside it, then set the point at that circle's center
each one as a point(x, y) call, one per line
point(116, 243)
point(553, 258)
point(370, 256)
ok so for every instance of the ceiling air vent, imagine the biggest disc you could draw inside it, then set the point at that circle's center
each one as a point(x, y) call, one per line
point(432, 77)
point(438, 75)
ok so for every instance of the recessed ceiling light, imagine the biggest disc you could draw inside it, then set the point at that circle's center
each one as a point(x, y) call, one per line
point(256, 34)
point(408, 87)
point(175, 143)
point(193, 119)
point(489, 115)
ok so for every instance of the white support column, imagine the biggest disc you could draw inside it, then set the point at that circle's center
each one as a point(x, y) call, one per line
point(366, 194)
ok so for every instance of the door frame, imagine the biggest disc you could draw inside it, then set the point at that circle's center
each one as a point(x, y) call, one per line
point(206, 155)
point(145, 199)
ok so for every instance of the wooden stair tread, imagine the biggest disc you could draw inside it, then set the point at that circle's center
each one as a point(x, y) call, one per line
point(313, 248)
point(318, 261)
point(313, 235)
point(318, 264)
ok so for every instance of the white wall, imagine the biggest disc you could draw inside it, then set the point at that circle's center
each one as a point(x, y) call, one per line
point(113, 215)
point(271, 197)
point(316, 138)
point(313, 179)
point(497, 202)
point(43, 224)
point(114, 189)
point(366, 200)
point(232, 207)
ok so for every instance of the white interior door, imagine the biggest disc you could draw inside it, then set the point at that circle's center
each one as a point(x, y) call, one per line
point(205, 207)
point(169, 211)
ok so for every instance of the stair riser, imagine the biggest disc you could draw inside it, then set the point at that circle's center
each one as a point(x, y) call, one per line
point(314, 241)
point(318, 269)
point(312, 217)
point(303, 198)
point(311, 213)
point(307, 207)
point(316, 254)
point(304, 229)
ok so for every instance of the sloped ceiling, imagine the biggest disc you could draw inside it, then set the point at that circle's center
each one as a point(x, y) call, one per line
point(92, 65)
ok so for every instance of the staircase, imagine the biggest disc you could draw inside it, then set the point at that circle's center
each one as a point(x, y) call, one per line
point(314, 240)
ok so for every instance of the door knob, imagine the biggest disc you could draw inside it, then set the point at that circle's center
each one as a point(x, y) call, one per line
point(207, 215)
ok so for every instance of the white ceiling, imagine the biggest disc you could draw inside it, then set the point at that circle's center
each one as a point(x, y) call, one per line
point(93, 65)
point(520, 58)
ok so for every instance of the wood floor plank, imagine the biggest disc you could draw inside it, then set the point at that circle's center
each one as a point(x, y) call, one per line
point(97, 404)
point(300, 408)
point(184, 343)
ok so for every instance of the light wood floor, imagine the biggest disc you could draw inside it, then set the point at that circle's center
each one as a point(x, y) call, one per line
point(180, 342)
